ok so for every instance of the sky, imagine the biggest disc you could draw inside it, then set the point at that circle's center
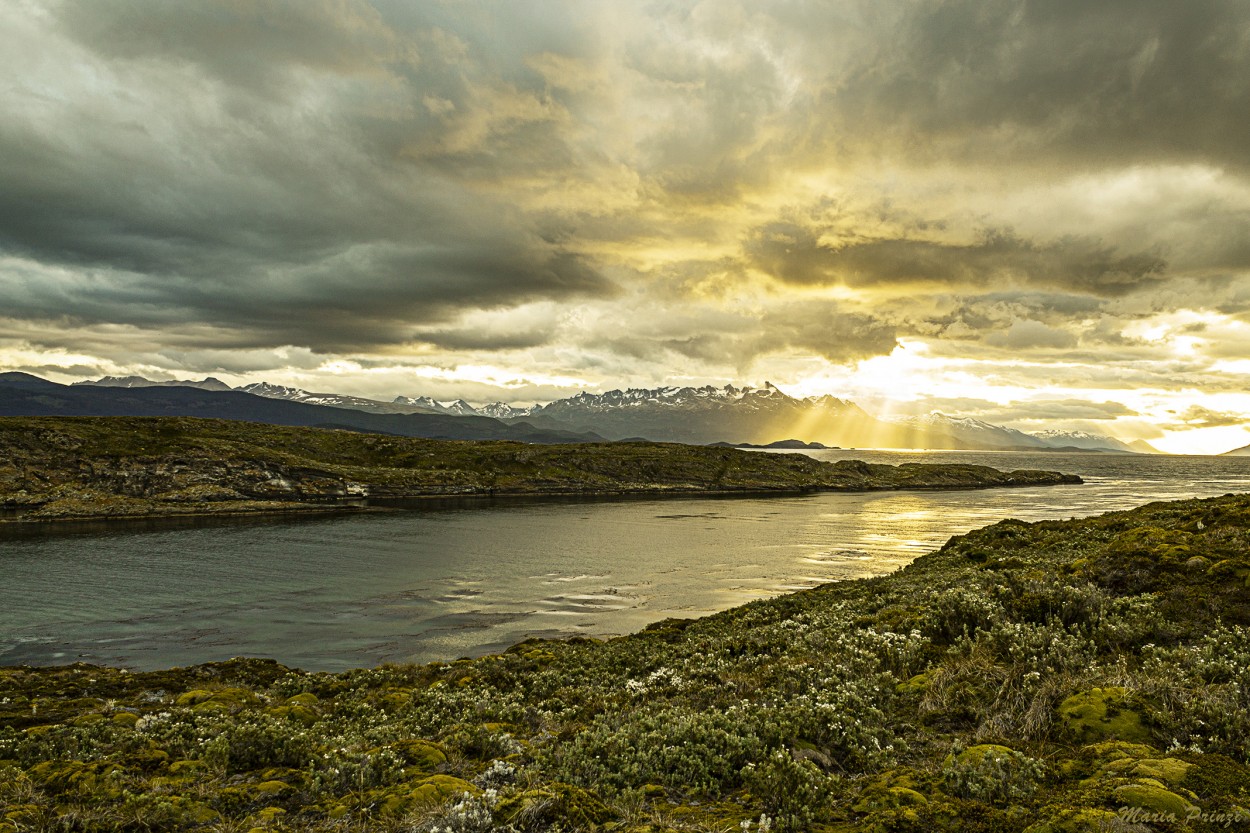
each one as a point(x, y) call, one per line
point(1034, 213)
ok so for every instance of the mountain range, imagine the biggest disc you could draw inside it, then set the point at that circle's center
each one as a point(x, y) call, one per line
point(22, 394)
point(698, 415)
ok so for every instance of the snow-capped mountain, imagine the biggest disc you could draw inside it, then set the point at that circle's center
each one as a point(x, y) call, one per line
point(334, 400)
point(208, 383)
point(967, 432)
point(1092, 442)
point(502, 410)
point(937, 430)
point(708, 414)
point(671, 398)
point(455, 407)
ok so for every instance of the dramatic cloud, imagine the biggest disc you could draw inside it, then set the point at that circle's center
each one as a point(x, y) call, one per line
point(989, 201)
point(795, 255)
point(1115, 83)
point(1197, 416)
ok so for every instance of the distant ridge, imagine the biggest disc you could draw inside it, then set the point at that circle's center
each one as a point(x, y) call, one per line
point(207, 383)
point(333, 400)
point(751, 417)
point(22, 394)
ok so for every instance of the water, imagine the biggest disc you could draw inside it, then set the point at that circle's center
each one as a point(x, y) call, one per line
point(337, 593)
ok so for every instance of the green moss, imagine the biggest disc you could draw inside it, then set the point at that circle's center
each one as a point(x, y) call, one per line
point(269, 817)
point(223, 698)
point(1083, 820)
point(297, 713)
point(554, 804)
point(1170, 771)
point(98, 777)
point(916, 685)
point(273, 787)
point(421, 754)
point(977, 755)
point(887, 798)
point(1112, 750)
point(1102, 713)
point(438, 788)
point(1153, 798)
point(186, 768)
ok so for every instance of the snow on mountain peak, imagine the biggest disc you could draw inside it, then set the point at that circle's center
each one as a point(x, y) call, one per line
point(272, 391)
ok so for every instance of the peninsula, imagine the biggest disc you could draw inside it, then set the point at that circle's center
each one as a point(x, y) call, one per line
point(73, 468)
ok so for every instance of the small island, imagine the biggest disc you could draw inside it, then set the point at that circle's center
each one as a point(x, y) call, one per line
point(781, 445)
point(89, 468)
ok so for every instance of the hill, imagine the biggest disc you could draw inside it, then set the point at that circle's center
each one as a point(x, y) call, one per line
point(1078, 675)
point(112, 467)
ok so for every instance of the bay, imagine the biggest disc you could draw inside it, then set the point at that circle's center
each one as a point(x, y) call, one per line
point(416, 586)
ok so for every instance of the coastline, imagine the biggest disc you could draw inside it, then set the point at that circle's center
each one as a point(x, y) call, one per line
point(392, 503)
point(104, 469)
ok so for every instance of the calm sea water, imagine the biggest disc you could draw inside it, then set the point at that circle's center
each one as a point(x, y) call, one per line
point(337, 593)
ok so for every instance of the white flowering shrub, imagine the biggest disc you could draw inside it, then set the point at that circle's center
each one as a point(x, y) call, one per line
point(793, 791)
point(339, 771)
point(699, 752)
point(993, 774)
point(467, 814)
point(256, 741)
point(498, 774)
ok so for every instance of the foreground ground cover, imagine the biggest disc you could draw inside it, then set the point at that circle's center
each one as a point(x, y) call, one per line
point(1059, 676)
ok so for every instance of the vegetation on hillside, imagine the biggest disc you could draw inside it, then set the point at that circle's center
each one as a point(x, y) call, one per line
point(1055, 677)
point(66, 467)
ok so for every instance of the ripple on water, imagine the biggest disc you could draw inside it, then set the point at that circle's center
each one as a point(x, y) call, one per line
point(335, 593)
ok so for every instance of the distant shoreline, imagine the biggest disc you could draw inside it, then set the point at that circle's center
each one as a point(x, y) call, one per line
point(17, 526)
point(105, 469)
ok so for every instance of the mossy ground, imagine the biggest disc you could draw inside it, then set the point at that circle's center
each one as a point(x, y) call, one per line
point(89, 467)
point(1054, 677)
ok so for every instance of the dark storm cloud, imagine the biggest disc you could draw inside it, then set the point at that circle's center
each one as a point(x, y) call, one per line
point(1114, 82)
point(814, 327)
point(794, 253)
point(1027, 335)
point(974, 316)
point(255, 45)
point(210, 190)
point(826, 330)
point(467, 339)
point(343, 175)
